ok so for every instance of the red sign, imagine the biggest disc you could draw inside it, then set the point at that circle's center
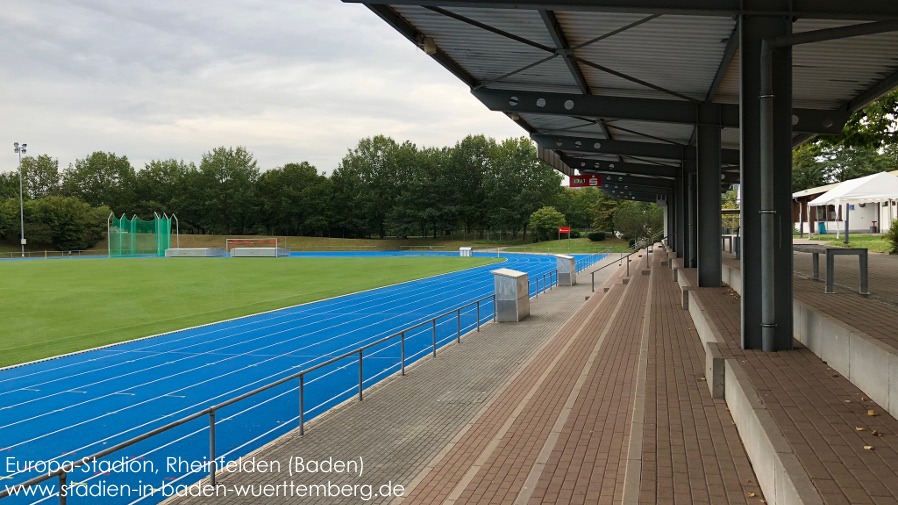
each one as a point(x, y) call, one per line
point(566, 229)
point(586, 181)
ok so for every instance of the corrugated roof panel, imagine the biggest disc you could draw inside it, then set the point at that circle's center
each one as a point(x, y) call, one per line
point(486, 55)
point(523, 23)
point(677, 133)
point(828, 74)
point(679, 53)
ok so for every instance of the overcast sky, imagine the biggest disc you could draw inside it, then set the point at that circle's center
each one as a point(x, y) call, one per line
point(292, 80)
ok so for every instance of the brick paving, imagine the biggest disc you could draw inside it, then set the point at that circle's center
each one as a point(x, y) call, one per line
point(692, 452)
point(543, 413)
point(822, 415)
point(406, 422)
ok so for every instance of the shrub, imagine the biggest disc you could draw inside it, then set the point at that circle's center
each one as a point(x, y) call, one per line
point(575, 234)
point(892, 237)
point(545, 223)
point(596, 236)
point(631, 242)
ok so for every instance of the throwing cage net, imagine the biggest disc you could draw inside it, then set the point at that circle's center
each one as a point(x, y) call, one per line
point(136, 237)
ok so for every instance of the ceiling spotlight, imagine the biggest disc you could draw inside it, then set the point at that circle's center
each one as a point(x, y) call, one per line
point(428, 46)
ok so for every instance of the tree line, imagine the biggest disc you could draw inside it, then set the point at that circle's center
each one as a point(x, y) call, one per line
point(380, 188)
point(867, 145)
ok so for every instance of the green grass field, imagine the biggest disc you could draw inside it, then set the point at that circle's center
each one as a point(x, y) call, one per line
point(873, 243)
point(52, 307)
point(577, 245)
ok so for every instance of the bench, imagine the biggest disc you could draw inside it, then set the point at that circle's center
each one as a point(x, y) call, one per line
point(831, 252)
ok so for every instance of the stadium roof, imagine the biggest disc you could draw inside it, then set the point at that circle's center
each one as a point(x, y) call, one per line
point(621, 85)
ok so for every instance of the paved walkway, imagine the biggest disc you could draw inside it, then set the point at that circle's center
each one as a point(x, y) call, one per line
point(823, 417)
point(403, 424)
point(595, 402)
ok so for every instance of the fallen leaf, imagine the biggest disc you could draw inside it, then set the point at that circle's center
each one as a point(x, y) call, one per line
point(859, 428)
point(835, 375)
point(868, 447)
point(847, 401)
point(763, 500)
point(872, 412)
point(876, 433)
point(751, 495)
point(863, 399)
point(703, 378)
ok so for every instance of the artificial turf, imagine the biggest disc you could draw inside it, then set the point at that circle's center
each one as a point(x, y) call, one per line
point(52, 307)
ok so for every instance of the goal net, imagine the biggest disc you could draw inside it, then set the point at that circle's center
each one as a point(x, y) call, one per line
point(136, 237)
point(256, 247)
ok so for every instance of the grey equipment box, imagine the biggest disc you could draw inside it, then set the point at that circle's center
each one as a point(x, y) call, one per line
point(567, 270)
point(512, 295)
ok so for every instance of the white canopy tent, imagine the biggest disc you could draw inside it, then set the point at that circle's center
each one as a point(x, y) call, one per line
point(881, 187)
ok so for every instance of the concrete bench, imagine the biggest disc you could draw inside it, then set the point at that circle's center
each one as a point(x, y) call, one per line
point(830, 253)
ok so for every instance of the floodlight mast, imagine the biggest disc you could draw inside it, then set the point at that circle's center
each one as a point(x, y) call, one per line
point(20, 151)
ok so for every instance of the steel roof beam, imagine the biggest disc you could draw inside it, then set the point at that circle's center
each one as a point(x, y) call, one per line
point(653, 182)
point(588, 166)
point(812, 9)
point(728, 54)
point(637, 188)
point(645, 109)
point(639, 196)
point(623, 148)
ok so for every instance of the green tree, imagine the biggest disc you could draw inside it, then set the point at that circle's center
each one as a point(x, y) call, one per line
point(64, 223)
point(162, 187)
point(101, 179)
point(41, 176)
point(518, 185)
point(872, 127)
point(603, 212)
point(807, 171)
point(9, 185)
point(295, 199)
point(228, 179)
point(470, 162)
point(545, 223)
point(638, 219)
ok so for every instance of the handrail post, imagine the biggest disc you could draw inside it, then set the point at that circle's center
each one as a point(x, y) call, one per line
point(212, 463)
point(434, 337)
point(360, 375)
point(593, 275)
point(403, 352)
point(63, 489)
point(458, 327)
point(478, 316)
point(495, 316)
point(302, 418)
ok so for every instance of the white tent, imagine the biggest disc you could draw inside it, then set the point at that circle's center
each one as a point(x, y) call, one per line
point(881, 187)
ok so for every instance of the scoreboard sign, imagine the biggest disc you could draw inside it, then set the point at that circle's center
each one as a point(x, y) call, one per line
point(586, 181)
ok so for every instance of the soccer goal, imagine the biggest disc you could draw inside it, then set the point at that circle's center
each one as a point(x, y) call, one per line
point(272, 247)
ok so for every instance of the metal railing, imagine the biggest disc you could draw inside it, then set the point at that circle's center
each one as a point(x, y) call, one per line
point(550, 280)
point(647, 244)
point(588, 261)
point(62, 473)
point(422, 248)
point(51, 254)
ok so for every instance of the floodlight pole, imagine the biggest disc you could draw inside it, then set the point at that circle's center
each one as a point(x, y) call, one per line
point(20, 151)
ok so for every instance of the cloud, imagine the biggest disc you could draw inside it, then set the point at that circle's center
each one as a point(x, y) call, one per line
point(299, 80)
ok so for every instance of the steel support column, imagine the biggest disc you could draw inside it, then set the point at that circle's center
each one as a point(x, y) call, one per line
point(709, 269)
point(765, 217)
point(691, 222)
point(680, 224)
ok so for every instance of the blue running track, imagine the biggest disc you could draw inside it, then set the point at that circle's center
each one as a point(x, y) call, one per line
point(64, 409)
